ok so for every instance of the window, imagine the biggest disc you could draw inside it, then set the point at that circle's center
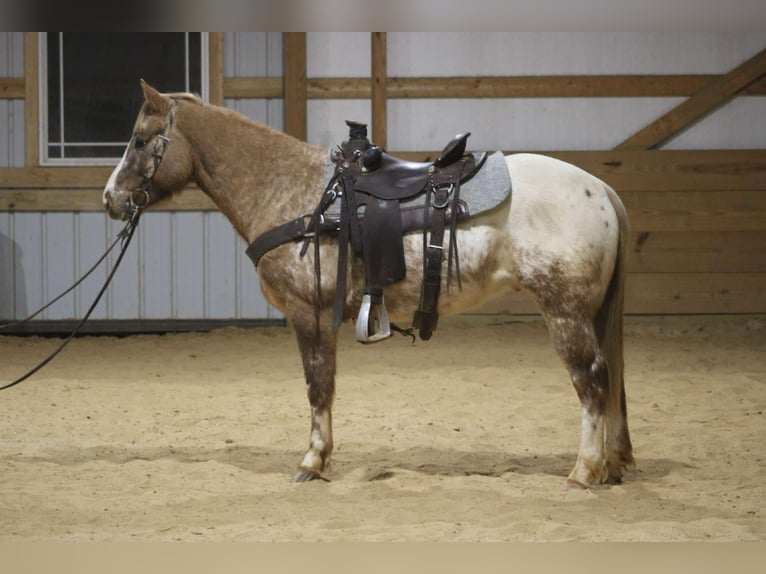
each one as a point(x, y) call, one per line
point(90, 89)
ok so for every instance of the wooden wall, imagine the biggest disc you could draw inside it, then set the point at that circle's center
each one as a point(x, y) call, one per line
point(186, 268)
point(698, 216)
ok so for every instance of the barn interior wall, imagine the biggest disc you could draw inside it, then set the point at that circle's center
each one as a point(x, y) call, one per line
point(536, 123)
point(710, 257)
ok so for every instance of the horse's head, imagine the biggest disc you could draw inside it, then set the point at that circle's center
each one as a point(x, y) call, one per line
point(156, 162)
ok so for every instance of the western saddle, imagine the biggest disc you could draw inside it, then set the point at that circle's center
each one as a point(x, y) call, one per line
point(368, 192)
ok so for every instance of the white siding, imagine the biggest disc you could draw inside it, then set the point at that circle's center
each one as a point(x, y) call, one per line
point(179, 266)
point(193, 266)
point(545, 123)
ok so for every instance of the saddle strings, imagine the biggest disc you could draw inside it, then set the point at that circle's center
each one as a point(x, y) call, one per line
point(313, 229)
point(452, 247)
point(348, 220)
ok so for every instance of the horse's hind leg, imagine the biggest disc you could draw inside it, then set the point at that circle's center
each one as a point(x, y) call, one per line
point(318, 352)
point(577, 345)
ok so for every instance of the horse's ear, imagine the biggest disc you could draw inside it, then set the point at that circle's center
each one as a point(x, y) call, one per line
point(155, 100)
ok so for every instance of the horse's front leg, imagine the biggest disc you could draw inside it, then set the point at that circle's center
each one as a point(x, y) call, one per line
point(318, 349)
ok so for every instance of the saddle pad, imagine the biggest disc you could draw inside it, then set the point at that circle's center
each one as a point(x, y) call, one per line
point(484, 191)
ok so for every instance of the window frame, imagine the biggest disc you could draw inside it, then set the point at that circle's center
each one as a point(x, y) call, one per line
point(42, 129)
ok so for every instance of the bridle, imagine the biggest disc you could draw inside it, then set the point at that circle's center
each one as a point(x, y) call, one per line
point(139, 196)
point(137, 201)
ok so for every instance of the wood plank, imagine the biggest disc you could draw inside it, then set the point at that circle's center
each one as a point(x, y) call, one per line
point(665, 170)
point(709, 98)
point(31, 97)
point(661, 293)
point(586, 86)
point(697, 252)
point(643, 172)
point(450, 87)
point(295, 105)
point(12, 88)
point(660, 170)
point(662, 215)
point(256, 88)
point(58, 177)
point(378, 83)
point(89, 200)
point(675, 170)
point(702, 212)
point(667, 293)
point(215, 55)
point(757, 88)
point(339, 88)
point(696, 210)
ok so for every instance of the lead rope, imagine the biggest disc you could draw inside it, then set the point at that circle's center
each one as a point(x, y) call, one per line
point(124, 237)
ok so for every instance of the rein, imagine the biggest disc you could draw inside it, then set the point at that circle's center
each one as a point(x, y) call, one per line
point(138, 200)
point(124, 237)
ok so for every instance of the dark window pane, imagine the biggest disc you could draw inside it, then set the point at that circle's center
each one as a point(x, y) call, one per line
point(54, 93)
point(101, 89)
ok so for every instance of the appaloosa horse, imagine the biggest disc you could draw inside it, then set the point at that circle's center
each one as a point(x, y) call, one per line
point(561, 235)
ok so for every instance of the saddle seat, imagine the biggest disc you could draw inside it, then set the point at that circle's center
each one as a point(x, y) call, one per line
point(388, 177)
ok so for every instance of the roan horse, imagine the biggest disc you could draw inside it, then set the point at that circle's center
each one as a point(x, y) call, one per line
point(561, 236)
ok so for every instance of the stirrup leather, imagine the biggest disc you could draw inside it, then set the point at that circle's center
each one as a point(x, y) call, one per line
point(381, 327)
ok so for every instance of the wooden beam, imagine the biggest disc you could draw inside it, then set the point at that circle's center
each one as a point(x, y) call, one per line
point(53, 177)
point(757, 88)
point(593, 86)
point(254, 88)
point(696, 210)
point(215, 56)
point(662, 293)
point(295, 105)
point(703, 102)
point(454, 87)
point(629, 86)
point(663, 170)
point(12, 88)
point(697, 252)
point(88, 199)
point(660, 170)
point(674, 170)
point(378, 85)
point(734, 175)
point(31, 97)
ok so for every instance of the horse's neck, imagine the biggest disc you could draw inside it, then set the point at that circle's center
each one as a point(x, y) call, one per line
point(257, 176)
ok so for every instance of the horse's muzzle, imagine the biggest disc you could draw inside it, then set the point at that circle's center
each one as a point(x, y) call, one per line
point(118, 207)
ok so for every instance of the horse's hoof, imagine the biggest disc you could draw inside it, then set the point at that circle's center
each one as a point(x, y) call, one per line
point(575, 485)
point(615, 477)
point(303, 475)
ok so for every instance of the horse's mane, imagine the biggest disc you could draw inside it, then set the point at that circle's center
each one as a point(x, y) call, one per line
point(196, 100)
point(187, 97)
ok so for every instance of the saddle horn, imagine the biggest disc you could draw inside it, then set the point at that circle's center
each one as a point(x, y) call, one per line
point(453, 151)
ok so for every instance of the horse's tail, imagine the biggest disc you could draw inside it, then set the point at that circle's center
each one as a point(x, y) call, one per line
point(609, 330)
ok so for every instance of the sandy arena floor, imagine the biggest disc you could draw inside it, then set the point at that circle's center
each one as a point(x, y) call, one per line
point(468, 437)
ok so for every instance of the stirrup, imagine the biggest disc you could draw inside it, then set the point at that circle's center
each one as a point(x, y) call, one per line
point(363, 333)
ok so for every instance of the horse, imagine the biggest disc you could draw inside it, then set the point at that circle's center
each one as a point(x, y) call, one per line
point(561, 235)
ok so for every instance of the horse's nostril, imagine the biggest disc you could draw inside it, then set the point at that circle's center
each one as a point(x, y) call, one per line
point(107, 203)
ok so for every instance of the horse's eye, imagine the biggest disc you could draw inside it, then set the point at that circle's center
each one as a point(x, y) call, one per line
point(139, 142)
